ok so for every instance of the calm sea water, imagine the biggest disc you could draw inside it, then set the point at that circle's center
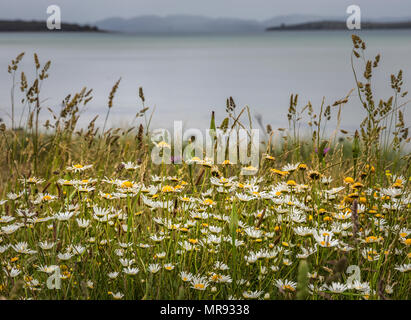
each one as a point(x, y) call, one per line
point(186, 77)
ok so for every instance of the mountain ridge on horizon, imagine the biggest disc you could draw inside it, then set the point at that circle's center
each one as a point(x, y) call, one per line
point(198, 24)
point(181, 23)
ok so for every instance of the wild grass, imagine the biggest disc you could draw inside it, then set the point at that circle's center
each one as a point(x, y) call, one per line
point(92, 203)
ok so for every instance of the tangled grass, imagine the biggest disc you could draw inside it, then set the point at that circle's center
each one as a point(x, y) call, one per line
point(90, 208)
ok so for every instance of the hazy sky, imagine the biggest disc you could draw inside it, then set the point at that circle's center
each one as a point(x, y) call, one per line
point(92, 10)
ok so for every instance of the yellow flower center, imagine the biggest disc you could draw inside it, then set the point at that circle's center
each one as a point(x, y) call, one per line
point(216, 277)
point(208, 202)
point(127, 184)
point(288, 287)
point(349, 180)
point(166, 189)
point(163, 144)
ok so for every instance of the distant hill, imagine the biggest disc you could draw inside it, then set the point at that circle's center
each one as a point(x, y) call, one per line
point(197, 24)
point(41, 26)
point(152, 24)
point(297, 19)
point(180, 24)
point(340, 25)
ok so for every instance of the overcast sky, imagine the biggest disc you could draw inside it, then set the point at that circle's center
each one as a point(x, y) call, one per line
point(91, 10)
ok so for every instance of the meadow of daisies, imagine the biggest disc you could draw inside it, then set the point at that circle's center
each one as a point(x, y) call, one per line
point(85, 214)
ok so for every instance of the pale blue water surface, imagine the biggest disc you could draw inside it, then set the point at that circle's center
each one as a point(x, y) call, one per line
point(187, 76)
